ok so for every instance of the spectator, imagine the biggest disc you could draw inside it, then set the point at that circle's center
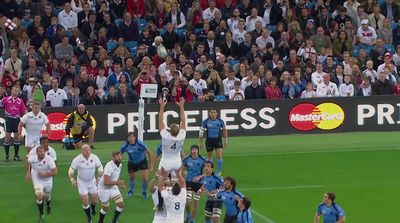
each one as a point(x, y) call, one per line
point(272, 91)
point(56, 97)
point(366, 34)
point(114, 77)
point(208, 13)
point(309, 91)
point(346, 89)
point(181, 88)
point(91, 97)
point(236, 94)
point(83, 82)
point(127, 96)
point(327, 88)
point(229, 47)
point(255, 90)
point(13, 66)
point(136, 8)
point(170, 37)
point(91, 27)
point(111, 97)
point(199, 85)
point(390, 10)
point(176, 17)
point(290, 89)
point(64, 51)
point(129, 29)
point(214, 83)
point(382, 86)
point(67, 17)
point(143, 78)
point(320, 40)
point(386, 33)
point(376, 18)
point(264, 39)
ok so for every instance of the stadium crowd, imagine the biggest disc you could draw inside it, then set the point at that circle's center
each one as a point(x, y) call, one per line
point(96, 52)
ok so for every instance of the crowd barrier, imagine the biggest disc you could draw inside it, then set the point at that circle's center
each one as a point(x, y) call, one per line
point(243, 118)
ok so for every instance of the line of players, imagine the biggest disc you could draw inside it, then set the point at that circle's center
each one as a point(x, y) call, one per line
point(40, 168)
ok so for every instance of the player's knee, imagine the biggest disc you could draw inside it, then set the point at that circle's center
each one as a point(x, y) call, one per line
point(208, 214)
point(196, 198)
point(39, 194)
point(216, 212)
point(119, 200)
point(105, 206)
point(120, 206)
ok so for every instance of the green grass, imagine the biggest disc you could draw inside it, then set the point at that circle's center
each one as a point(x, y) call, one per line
point(285, 176)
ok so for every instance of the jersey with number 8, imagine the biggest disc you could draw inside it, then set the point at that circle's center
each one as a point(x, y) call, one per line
point(174, 205)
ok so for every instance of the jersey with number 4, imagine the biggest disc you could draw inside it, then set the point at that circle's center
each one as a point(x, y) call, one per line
point(170, 144)
point(174, 205)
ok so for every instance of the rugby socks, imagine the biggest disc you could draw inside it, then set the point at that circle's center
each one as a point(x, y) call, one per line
point(131, 185)
point(48, 202)
point(189, 217)
point(144, 186)
point(7, 149)
point(219, 165)
point(118, 211)
point(87, 212)
point(40, 206)
point(93, 208)
point(16, 149)
point(102, 215)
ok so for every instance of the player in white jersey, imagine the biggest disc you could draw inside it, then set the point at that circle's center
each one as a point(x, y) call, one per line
point(174, 197)
point(86, 164)
point(160, 213)
point(108, 187)
point(33, 122)
point(43, 170)
point(49, 151)
point(173, 139)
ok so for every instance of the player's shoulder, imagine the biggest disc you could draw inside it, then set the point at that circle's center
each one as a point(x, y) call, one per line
point(321, 205)
point(187, 158)
point(202, 158)
point(218, 177)
point(141, 143)
point(238, 193)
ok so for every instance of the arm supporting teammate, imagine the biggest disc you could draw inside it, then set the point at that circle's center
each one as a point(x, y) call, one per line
point(119, 182)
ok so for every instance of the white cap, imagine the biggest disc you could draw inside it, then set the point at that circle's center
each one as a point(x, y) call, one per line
point(364, 22)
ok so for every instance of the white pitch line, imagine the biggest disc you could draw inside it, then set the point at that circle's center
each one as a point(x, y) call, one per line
point(257, 154)
point(309, 152)
point(263, 217)
point(281, 188)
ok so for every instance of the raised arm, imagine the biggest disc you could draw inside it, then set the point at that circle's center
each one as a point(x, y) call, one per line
point(181, 105)
point(161, 125)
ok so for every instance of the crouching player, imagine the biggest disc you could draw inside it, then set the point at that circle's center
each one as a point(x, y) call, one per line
point(108, 187)
point(194, 164)
point(43, 168)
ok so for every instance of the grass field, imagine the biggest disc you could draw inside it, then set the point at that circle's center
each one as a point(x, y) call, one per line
point(285, 176)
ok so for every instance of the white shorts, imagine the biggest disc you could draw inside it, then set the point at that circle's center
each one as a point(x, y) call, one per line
point(87, 187)
point(45, 186)
point(159, 219)
point(106, 195)
point(32, 141)
point(170, 164)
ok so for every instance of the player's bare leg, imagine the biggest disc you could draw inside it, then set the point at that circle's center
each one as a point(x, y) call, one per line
point(39, 201)
point(103, 212)
point(93, 203)
point(144, 174)
point(86, 207)
point(90, 134)
point(119, 208)
point(209, 155)
point(219, 153)
point(131, 184)
point(196, 198)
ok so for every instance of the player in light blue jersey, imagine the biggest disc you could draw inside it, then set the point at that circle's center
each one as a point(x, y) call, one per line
point(244, 215)
point(230, 196)
point(331, 211)
point(213, 128)
point(137, 152)
point(194, 164)
point(212, 184)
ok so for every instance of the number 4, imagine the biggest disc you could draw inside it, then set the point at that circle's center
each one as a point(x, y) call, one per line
point(173, 146)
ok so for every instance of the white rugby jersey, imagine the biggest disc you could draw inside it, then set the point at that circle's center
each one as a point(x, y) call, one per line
point(112, 171)
point(87, 167)
point(50, 152)
point(44, 165)
point(346, 90)
point(175, 205)
point(171, 145)
point(199, 86)
point(34, 123)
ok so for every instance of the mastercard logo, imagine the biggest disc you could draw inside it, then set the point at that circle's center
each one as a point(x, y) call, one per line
point(325, 116)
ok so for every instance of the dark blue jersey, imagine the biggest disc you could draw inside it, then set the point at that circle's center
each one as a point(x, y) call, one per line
point(194, 166)
point(136, 152)
point(214, 127)
point(245, 217)
point(230, 199)
point(212, 182)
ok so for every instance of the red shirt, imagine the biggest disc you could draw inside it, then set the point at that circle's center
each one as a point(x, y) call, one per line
point(273, 92)
point(93, 72)
point(188, 97)
point(135, 7)
point(140, 82)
